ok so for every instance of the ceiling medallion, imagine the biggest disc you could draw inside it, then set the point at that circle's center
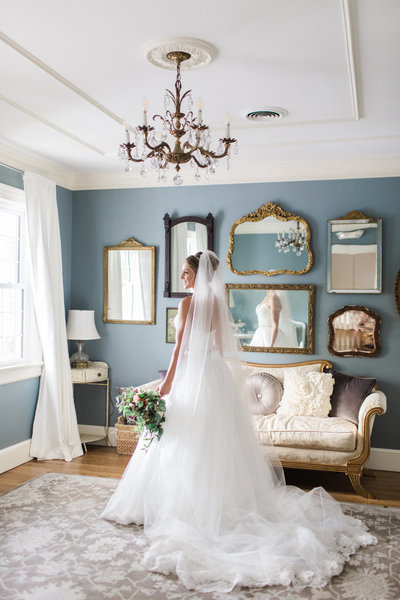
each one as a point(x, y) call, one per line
point(183, 137)
point(201, 53)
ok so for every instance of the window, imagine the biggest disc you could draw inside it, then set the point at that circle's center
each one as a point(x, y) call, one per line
point(11, 283)
point(19, 343)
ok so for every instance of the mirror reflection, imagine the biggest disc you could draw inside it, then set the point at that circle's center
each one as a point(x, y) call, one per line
point(270, 241)
point(129, 283)
point(269, 318)
point(354, 254)
point(354, 331)
point(184, 236)
point(186, 239)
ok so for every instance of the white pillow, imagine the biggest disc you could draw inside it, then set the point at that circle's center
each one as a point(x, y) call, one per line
point(306, 393)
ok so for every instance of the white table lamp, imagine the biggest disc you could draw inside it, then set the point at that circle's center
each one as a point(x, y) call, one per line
point(81, 327)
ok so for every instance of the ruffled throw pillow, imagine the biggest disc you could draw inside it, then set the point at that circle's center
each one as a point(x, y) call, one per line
point(264, 393)
point(306, 394)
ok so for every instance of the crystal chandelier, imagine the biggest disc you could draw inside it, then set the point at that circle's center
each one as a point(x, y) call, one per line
point(190, 139)
point(294, 239)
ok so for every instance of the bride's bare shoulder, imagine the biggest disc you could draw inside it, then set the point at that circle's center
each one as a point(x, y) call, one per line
point(184, 305)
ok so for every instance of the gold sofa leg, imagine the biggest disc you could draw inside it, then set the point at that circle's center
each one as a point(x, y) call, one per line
point(355, 479)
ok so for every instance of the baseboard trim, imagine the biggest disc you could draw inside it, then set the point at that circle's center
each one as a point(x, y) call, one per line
point(15, 455)
point(383, 459)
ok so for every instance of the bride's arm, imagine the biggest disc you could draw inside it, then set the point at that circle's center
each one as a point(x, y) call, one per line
point(183, 310)
point(275, 313)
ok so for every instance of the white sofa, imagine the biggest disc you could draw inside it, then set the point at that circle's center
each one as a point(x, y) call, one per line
point(318, 443)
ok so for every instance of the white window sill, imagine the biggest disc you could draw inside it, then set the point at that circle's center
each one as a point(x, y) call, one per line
point(15, 373)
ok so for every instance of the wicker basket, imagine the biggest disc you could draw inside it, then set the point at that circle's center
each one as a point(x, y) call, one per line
point(127, 437)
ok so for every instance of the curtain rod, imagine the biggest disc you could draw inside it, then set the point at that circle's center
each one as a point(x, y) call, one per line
point(12, 168)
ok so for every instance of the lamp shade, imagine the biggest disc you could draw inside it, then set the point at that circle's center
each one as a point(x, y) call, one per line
point(81, 325)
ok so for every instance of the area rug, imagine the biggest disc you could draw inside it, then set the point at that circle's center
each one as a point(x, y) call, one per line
point(55, 546)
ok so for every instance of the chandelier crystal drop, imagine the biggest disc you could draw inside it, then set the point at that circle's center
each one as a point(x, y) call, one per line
point(294, 239)
point(190, 139)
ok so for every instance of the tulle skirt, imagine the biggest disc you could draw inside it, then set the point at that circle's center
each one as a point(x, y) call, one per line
point(216, 513)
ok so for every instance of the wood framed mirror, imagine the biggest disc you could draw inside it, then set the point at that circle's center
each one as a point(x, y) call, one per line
point(184, 236)
point(354, 256)
point(272, 318)
point(397, 292)
point(354, 331)
point(129, 283)
point(270, 241)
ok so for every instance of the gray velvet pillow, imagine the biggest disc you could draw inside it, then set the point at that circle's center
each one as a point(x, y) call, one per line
point(348, 395)
point(265, 393)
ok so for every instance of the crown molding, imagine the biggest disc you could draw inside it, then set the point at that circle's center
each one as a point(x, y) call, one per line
point(311, 170)
point(24, 161)
point(307, 170)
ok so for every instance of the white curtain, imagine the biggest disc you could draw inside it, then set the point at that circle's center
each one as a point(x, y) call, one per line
point(55, 429)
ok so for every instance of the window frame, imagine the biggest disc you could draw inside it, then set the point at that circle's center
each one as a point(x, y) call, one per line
point(30, 365)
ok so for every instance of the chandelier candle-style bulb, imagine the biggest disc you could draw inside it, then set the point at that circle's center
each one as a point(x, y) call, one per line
point(127, 136)
point(228, 127)
point(183, 137)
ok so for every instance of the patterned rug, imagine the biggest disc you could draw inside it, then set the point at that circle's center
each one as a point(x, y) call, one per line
point(55, 546)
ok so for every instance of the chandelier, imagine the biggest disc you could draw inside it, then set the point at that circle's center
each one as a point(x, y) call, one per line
point(183, 138)
point(294, 239)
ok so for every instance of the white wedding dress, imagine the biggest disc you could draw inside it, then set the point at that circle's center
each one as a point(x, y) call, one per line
point(215, 512)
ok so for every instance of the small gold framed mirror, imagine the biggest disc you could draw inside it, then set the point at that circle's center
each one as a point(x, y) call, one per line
point(270, 241)
point(354, 331)
point(397, 292)
point(129, 283)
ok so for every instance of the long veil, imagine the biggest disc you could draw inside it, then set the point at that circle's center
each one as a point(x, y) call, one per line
point(209, 328)
point(286, 324)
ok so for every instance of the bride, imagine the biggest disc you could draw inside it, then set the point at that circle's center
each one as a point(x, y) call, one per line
point(215, 513)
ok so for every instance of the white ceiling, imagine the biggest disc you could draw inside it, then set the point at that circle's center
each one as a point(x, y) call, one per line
point(72, 71)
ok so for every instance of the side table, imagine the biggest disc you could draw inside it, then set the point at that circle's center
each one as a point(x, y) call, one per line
point(95, 374)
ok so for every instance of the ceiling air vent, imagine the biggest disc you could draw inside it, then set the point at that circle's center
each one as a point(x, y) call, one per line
point(270, 114)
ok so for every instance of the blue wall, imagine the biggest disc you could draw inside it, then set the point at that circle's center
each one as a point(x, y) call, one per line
point(136, 352)
point(18, 400)
point(90, 220)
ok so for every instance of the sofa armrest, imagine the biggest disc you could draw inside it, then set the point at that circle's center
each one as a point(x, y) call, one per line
point(151, 385)
point(374, 403)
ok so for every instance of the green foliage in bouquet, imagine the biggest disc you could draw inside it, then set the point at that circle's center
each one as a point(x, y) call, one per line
point(144, 409)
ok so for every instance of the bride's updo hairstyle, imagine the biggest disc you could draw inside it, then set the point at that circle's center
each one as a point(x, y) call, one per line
point(194, 259)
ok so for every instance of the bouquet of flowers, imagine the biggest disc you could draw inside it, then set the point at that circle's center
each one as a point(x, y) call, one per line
point(144, 409)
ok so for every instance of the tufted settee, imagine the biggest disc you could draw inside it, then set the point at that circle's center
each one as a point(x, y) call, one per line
point(319, 443)
point(329, 443)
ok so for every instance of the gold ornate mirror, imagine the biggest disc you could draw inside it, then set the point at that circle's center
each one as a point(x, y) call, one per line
point(270, 241)
point(129, 283)
point(272, 318)
point(354, 331)
point(397, 292)
point(354, 254)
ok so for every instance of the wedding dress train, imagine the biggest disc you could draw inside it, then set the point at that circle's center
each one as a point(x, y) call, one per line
point(215, 512)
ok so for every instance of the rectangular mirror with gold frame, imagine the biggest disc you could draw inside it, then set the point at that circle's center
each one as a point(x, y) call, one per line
point(272, 318)
point(129, 283)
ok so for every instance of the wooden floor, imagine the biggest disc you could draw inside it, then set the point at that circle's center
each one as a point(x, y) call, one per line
point(105, 462)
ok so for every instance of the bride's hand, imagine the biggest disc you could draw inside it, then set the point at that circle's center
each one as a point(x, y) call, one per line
point(165, 388)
